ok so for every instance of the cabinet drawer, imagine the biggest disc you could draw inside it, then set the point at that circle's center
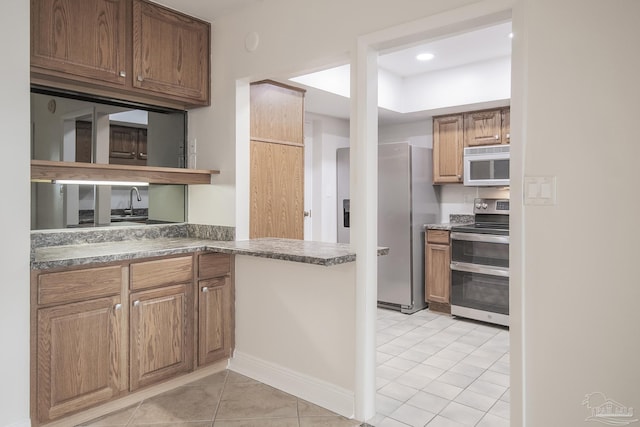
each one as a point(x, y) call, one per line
point(161, 272)
point(213, 265)
point(77, 285)
point(438, 236)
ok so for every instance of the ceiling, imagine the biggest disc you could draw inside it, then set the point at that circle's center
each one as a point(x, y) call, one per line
point(454, 51)
point(207, 9)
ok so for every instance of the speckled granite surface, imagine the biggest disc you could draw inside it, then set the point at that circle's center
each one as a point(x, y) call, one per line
point(454, 219)
point(65, 248)
point(319, 253)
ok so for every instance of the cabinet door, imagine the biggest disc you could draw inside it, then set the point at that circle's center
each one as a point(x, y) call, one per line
point(79, 38)
point(80, 362)
point(142, 147)
point(483, 128)
point(506, 126)
point(214, 320)
point(277, 113)
point(123, 141)
point(438, 260)
point(160, 341)
point(83, 141)
point(277, 191)
point(447, 149)
point(170, 53)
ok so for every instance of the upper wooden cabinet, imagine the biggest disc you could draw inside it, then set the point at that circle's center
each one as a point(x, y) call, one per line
point(448, 141)
point(454, 132)
point(506, 126)
point(127, 145)
point(83, 38)
point(170, 52)
point(277, 113)
point(483, 128)
point(126, 49)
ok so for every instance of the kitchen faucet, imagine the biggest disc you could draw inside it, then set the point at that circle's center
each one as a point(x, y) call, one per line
point(130, 210)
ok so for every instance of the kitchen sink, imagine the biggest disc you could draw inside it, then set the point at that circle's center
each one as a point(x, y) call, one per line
point(128, 218)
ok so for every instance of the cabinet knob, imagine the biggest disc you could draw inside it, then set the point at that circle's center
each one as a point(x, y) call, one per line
point(459, 176)
point(205, 289)
point(140, 78)
point(123, 74)
point(497, 136)
point(117, 306)
point(508, 135)
point(136, 303)
point(133, 153)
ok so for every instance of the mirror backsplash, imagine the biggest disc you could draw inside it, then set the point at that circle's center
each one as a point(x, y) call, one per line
point(77, 130)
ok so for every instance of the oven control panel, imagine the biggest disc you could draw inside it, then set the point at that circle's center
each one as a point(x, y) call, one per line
point(491, 206)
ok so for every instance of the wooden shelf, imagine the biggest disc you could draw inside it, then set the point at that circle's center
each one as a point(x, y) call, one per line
point(47, 170)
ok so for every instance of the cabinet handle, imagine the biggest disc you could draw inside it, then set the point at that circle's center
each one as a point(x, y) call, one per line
point(497, 136)
point(508, 135)
point(123, 74)
point(205, 289)
point(140, 78)
point(117, 306)
point(136, 303)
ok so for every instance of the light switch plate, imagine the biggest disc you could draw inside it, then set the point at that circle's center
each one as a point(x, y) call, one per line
point(539, 190)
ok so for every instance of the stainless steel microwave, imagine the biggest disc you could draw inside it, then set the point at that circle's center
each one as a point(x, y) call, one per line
point(486, 165)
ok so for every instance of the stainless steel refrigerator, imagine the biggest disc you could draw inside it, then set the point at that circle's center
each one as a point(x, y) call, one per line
point(407, 199)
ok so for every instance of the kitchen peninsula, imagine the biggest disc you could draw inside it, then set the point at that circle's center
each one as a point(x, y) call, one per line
point(280, 311)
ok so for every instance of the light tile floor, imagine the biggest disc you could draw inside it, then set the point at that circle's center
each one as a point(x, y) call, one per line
point(433, 370)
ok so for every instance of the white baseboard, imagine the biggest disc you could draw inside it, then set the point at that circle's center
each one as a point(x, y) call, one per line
point(314, 390)
point(21, 423)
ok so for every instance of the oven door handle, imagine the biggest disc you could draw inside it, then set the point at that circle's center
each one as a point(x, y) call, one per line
point(486, 238)
point(481, 269)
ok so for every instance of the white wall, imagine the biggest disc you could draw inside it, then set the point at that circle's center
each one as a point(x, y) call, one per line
point(14, 259)
point(312, 357)
point(472, 84)
point(328, 135)
point(575, 109)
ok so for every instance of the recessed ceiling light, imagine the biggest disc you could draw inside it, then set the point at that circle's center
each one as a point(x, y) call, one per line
point(425, 56)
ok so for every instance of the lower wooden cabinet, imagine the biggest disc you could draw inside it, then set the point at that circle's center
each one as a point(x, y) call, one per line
point(101, 332)
point(161, 336)
point(215, 308)
point(438, 270)
point(214, 320)
point(79, 361)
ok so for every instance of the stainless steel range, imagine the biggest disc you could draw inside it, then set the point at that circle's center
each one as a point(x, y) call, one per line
point(480, 264)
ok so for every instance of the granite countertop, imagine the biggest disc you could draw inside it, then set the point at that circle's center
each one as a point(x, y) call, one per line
point(318, 253)
point(454, 220)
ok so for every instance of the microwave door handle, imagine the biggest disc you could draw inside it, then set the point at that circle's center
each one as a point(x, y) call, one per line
point(474, 268)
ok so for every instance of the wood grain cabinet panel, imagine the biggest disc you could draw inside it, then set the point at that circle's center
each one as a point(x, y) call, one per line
point(78, 285)
point(85, 38)
point(127, 145)
point(483, 128)
point(215, 338)
point(79, 360)
point(160, 272)
point(448, 142)
point(506, 126)
point(438, 270)
point(277, 113)
point(161, 334)
point(213, 265)
point(170, 52)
